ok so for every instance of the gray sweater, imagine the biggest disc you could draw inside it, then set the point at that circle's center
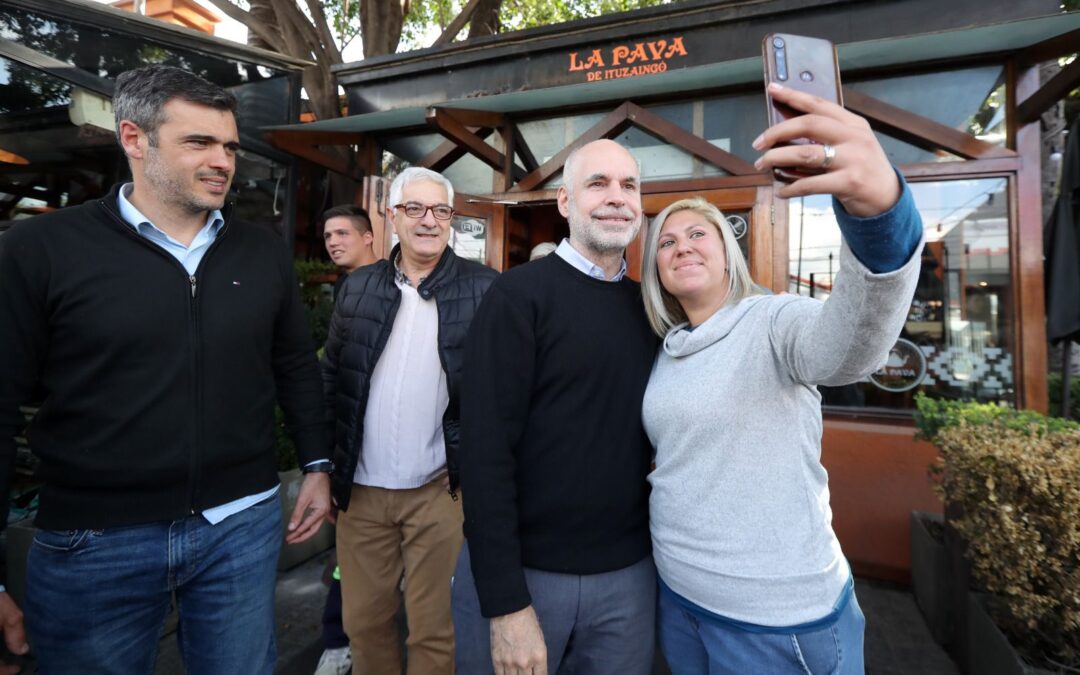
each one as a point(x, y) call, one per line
point(739, 511)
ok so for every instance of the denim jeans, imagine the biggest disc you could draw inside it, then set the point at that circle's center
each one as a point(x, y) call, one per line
point(96, 599)
point(696, 647)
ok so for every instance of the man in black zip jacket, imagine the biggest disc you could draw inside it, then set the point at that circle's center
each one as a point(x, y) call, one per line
point(160, 333)
point(391, 371)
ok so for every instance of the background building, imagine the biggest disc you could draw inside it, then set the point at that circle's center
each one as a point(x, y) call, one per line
point(952, 90)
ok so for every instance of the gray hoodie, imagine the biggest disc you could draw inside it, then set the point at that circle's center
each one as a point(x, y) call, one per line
point(739, 511)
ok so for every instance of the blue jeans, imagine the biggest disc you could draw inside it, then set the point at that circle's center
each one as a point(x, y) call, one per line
point(96, 600)
point(696, 647)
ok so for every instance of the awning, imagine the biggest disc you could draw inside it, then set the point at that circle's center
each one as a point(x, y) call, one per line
point(1002, 38)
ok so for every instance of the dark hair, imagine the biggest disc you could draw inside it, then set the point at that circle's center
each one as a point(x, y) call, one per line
point(141, 94)
point(358, 216)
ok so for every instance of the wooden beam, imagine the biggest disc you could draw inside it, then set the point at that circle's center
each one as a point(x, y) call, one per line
point(457, 24)
point(918, 130)
point(1050, 48)
point(707, 183)
point(450, 127)
point(972, 167)
point(524, 152)
point(613, 124)
point(308, 151)
point(449, 152)
point(698, 147)
point(301, 136)
point(1026, 251)
point(1057, 88)
point(475, 118)
point(506, 132)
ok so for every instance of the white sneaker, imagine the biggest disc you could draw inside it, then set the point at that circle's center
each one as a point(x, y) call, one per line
point(334, 662)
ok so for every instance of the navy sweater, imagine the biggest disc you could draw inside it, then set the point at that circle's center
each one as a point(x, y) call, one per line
point(553, 454)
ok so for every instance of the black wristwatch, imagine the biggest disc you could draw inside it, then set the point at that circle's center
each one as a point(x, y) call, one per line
point(321, 466)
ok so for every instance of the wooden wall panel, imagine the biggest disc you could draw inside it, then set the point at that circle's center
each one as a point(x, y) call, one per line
point(878, 474)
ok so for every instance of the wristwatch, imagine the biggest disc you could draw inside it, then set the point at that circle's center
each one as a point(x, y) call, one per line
point(321, 466)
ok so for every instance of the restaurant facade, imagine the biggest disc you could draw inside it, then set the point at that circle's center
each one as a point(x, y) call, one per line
point(952, 90)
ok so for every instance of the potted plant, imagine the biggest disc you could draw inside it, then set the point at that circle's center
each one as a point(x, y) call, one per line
point(1011, 483)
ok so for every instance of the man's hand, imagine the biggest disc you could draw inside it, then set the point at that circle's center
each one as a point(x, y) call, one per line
point(517, 644)
point(11, 622)
point(312, 505)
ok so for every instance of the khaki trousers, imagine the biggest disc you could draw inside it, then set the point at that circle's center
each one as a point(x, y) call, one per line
point(383, 535)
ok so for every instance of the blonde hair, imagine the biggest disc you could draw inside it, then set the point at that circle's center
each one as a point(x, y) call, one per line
point(663, 310)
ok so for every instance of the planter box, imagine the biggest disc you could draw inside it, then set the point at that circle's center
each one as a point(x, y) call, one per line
point(989, 651)
point(959, 586)
point(294, 554)
point(930, 580)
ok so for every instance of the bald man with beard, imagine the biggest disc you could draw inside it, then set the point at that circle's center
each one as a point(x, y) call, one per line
point(557, 570)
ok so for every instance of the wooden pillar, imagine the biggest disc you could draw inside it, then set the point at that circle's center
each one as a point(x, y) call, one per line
point(1026, 245)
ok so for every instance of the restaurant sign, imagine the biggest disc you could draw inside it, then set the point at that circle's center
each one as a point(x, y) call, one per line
point(627, 60)
point(904, 370)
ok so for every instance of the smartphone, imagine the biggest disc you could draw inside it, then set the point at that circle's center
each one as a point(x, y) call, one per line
point(803, 63)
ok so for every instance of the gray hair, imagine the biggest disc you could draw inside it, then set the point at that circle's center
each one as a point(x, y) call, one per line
point(663, 310)
point(415, 174)
point(542, 249)
point(141, 94)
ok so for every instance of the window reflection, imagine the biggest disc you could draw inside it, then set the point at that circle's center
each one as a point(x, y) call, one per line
point(969, 100)
point(957, 341)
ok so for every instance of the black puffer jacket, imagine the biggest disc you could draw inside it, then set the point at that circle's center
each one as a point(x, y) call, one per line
point(363, 316)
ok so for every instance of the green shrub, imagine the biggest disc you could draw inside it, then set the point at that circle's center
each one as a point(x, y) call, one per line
point(1014, 478)
point(1053, 386)
point(318, 307)
point(318, 302)
point(283, 443)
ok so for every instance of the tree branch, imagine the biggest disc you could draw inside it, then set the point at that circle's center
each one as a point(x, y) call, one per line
point(322, 27)
point(457, 24)
point(291, 19)
point(268, 36)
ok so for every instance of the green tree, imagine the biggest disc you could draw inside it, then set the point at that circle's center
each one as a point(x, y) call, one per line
point(318, 30)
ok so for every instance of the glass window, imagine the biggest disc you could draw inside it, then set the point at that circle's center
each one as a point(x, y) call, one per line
point(468, 237)
point(259, 190)
point(957, 342)
point(46, 161)
point(969, 100)
point(263, 92)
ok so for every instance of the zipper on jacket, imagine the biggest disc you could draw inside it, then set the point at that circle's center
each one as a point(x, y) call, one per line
point(196, 455)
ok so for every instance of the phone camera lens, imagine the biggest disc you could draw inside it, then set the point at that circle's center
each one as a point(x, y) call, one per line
point(806, 76)
point(778, 43)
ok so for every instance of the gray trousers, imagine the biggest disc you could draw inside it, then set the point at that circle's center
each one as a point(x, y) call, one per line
point(593, 624)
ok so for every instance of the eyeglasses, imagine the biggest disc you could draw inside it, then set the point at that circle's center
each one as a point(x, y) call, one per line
point(417, 210)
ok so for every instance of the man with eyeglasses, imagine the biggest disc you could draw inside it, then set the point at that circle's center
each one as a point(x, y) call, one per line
point(391, 373)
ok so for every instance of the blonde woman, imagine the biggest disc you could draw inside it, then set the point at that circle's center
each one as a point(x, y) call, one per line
point(752, 577)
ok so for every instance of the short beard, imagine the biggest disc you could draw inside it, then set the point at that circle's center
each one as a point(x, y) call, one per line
point(594, 237)
point(171, 188)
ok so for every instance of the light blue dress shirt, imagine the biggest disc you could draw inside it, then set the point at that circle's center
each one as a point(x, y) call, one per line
point(583, 264)
point(189, 256)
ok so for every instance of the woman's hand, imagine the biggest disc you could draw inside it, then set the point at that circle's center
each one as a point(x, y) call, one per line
point(859, 174)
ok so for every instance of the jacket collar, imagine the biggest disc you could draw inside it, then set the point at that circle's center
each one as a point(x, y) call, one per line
point(109, 203)
point(444, 269)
